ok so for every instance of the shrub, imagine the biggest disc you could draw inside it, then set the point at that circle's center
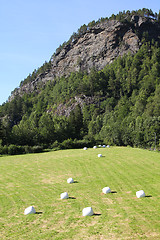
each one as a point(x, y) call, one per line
point(55, 144)
point(37, 149)
point(1, 150)
point(13, 149)
point(67, 144)
point(83, 143)
point(1, 147)
point(5, 150)
point(27, 149)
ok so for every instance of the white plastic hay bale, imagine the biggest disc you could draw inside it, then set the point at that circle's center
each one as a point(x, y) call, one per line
point(88, 211)
point(85, 148)
point(99, 155)
point(104, 146)
point(140, 194)
point(64, 195)
point(29, 210)
point(108, 146)
point(99, 146)
point(70, 180)
point(106, 190)
point(95, 147)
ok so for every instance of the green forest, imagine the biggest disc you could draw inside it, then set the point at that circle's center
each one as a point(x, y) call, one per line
point(125, 112)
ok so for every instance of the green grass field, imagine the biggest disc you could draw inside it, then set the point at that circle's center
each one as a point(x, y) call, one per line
point(39, 179)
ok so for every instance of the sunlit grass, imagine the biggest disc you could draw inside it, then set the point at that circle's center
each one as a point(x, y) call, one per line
point(39, 179)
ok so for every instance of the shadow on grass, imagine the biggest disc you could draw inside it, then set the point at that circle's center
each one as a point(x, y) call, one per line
point(113, 192)
point(148, 196)
point(72, 198)
point(75, 182)
point(38, 212)
point(97, 214)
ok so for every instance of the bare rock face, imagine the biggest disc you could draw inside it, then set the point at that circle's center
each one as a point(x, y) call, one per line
point(66, 108)
point(97, 47)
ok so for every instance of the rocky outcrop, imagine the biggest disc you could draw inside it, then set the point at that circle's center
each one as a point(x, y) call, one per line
point(97, 47)
point(64, 109)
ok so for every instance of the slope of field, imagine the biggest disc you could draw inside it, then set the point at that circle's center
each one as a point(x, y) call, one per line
point(39, 179)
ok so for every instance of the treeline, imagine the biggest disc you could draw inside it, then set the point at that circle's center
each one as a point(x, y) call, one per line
point(126, 108)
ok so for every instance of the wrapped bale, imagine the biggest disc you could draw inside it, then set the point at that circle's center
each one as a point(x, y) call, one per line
point(70, 180)
point(106, 190)
point(88, 211)
point(29, 210)
point(64, 195)
point(85, 148)
point(95, 147)
point(140, 194)
point(100, 155)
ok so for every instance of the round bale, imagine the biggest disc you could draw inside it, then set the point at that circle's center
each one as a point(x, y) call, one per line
point(29, 210)
point(99, 155)
point(70, 180)
point(88, 211)
point(106, 190)
point(64, 195)
point(140, 194)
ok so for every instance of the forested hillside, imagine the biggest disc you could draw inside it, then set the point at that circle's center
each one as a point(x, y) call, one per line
point(118, 104)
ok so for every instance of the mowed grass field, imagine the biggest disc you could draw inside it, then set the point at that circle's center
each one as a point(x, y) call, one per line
point(39, 179)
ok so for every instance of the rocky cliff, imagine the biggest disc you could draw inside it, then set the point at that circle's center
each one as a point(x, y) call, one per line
point(97, 47)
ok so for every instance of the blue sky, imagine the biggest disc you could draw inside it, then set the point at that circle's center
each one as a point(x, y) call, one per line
point(31, 30)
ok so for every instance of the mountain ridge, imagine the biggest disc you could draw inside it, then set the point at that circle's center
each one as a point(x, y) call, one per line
point(95, 48)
